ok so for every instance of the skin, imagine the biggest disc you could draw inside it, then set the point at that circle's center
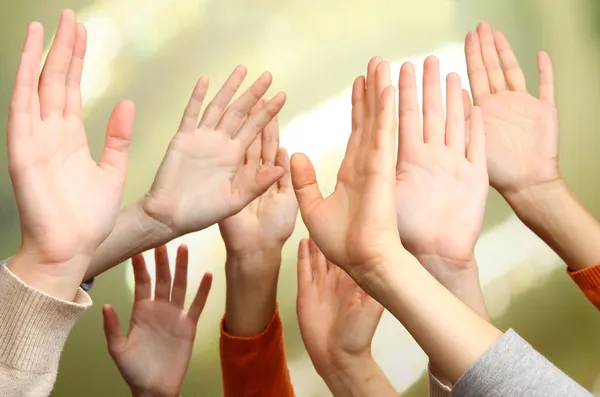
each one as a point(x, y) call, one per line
point(154, 356)
point(201, 180)
point(339, 344)
point(254, 239)
point(67, 203)
point(522, 147)
point(356, 229)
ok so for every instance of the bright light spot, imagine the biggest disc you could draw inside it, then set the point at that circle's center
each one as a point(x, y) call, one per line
point(104, 39)
point(497, 297)
point(95, 80)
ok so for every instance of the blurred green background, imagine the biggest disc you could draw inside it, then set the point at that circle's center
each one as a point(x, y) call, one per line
point(152, 51)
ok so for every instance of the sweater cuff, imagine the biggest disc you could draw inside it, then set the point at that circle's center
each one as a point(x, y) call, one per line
point(437, 388)
point(34, 326)
point(586, 279)
point(246, 344)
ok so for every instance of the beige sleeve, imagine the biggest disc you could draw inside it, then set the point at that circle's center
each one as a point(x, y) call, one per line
point(33, 330)
point(436, 387)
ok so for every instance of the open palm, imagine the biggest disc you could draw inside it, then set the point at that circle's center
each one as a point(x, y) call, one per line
point(201, 179)
point(154, 356)
point(67, 202)
point(521, 130)
point(337, 318)
point(269, 219)
point(355, 224)
point(441, 189)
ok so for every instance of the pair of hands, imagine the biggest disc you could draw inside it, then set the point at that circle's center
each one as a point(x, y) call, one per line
point(440, 188)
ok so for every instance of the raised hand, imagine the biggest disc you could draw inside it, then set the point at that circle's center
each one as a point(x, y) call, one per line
point(355, 225)
point(521, 130)
point(337, 319)
point(268, 221)
point(68, 203)
point(154, 356)
point(441, 188)
point(202, 179)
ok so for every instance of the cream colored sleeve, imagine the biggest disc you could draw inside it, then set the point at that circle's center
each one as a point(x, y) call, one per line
point(33, 330)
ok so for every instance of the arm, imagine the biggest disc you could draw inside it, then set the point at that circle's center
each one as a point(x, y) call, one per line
point(252, 348)
point(522, 150)
point(154, 356)
point(200, 180)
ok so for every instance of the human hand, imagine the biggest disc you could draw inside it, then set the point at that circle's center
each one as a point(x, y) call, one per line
point(441, 189)
point(268, 221)
point(521, 130)
point(67, 203)
point(154, 356)
point(201, 180)
point(355, 226)
point(337, 318)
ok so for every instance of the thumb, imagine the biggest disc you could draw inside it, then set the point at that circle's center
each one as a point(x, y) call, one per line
point(112, 330)
point(118, 139)
point(304, 180)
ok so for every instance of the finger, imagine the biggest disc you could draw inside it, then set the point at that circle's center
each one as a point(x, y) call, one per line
point(192, 110)
point(385, 125)
point(143, 283)
point(53, 79)
point(23, 103)
point(250, 182)
point(112, 330)
point(490, 58)
point(433, 110)
point(467, 104)
point(270, 142)
point(512, 70)
point(478, 79)
point(371, 94)
point(162, 289)
point(455, 115)
point(382, 81)
point(254, 151)
point(305, 184)
point(181, 276)
point(215, 109)
point(546, 84)
point(257, 122)
point(237, 112)
point(305, 275)
point(409, 118)
point(317, 261)
point(200, 299)
point(476, 149)
point(73, 106)
point(118, 140)
point(283, 161)
point(358, 115)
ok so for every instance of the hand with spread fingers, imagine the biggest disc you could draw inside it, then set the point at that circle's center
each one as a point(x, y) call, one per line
point(337, 322)
point(154, 356)
point(441, 188)
point(353, 226)
point(68, 203)
point(521, 130)
point(201, 180)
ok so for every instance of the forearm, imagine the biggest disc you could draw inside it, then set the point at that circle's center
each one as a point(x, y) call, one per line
point(361, 380)
point(558, 217)
point(251, 297)
point(453, 336)
point(134, 233)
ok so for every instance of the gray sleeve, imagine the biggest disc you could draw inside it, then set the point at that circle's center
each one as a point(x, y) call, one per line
point(512, 367)
point(86, 285)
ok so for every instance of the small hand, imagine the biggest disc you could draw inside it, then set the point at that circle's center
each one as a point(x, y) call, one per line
point(201, 180)
point(68, 203)
point(441, 189)
point(154, 356)
point(337, 318)
point(521, 130)
point(355, 225)
point(268, 221)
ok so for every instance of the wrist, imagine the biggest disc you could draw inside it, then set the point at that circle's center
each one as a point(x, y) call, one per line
point(531, 200)
point(152, 393)
point(359, 377)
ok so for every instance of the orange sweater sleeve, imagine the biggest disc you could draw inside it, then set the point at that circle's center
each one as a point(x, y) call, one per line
point(255, 366)
point(588, 280)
